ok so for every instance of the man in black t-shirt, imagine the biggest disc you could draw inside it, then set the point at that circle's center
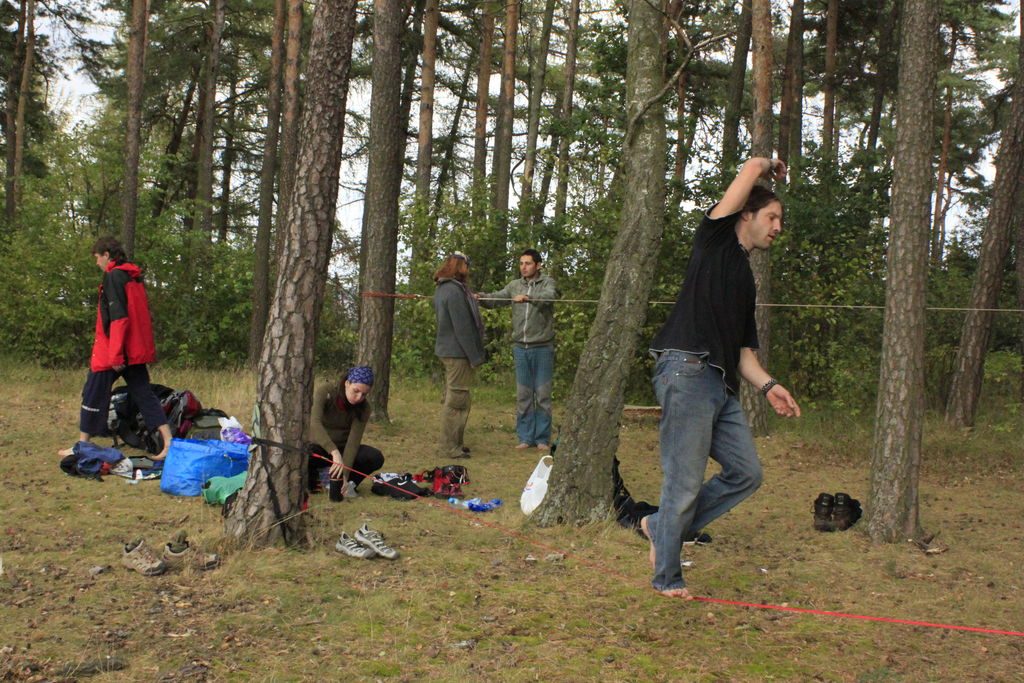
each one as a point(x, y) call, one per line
point(706, 344)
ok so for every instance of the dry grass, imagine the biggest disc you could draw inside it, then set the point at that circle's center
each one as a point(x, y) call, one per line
point(464, 602)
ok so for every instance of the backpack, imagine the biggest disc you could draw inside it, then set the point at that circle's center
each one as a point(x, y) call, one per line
point(181, 408)
point(446, 481)
point(124, 420)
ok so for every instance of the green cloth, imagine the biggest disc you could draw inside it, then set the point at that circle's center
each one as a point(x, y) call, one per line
point(217, 489)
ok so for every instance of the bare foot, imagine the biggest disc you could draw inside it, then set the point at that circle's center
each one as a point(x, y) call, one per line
point(160, 456)
point(677, 593)
point(647, 533)
point(65, 452)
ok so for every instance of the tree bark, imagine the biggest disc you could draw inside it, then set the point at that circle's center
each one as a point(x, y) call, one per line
point(829, 90)
point(380, 216)
point(939, 213)
point(969, 370)
point(483, 87)
point(173, 145)
point(885, 67)
point(11, 113)
point(791, 103)
point(565, 115)
point(538, 72)
point(268, 173)
point(761, 136)
point(896, 451)
point(734, 90)
point(502, 163)
point(24, 91)
point(580, 489)
point(224, 213)
point(205, 129)
point(426, 129)
point(269, 507)
point(445, 170)
point(290, 112)
point(135, 76)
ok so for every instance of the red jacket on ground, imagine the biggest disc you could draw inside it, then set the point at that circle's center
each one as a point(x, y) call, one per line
point(124, 330)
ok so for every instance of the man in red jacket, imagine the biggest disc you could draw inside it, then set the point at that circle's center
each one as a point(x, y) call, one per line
point(123, 346)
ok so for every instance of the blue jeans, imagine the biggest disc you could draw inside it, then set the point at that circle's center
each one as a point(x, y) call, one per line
point(699, 418)
point(534, 368)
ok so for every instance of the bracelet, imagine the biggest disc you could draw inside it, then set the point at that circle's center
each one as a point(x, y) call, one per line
point(768, 386)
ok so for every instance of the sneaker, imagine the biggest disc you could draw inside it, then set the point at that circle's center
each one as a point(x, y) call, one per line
point(123, 468)
point(845, 512)
point(823, 508)
point(179, 553)
point(374, 540)
point(349, 491)
point(353, 548)
point(699, 538)
point(139, 557)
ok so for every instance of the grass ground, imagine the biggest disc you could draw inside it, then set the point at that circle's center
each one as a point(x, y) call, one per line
point(467, 601)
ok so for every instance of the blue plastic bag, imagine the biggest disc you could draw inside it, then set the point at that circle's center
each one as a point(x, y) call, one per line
point(191, 462)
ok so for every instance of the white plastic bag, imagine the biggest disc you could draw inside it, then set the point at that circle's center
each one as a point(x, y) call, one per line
point(536, 485)
point(231, 430)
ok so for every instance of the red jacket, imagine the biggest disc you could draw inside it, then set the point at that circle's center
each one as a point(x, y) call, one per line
point(124, 330)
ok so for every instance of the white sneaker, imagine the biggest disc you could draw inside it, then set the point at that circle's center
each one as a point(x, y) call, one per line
point(349, 491)
point(374, 540)
point(123, 468)
point(353, 548)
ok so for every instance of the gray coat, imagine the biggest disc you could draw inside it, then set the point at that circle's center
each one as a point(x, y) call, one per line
point(533, 321)
point(459, 331)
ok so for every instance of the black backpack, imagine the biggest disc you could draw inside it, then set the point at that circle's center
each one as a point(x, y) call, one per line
point(125, 421)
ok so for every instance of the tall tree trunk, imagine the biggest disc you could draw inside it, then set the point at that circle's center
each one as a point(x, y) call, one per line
point(24, 92)
point(483, 83)
point(268, 509)
point(268, 173)
point(11, 113)
point(761, 139)
point(885, 67)
point(445, 170)
point(135, 74)
point(290, 112)
point(828, 111)
point(538, 72)
point(568, 89)
point(224, 213)
point(791, 103)
point(174, 145)
point(380, 215)
point(939, 213)
point(426, 129)
point(580, 490)
point(735, 88)
point(969, 370)
point(502, 164)
point(205, 129)
point(896, 451)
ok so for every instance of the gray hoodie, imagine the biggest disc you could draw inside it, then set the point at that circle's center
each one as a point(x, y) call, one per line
point(532, 321)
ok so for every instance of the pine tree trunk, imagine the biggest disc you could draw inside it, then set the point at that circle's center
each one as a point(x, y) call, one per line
point(939, 213)
point(11, 114)
point(268, 173)
point(734, 91)
point(829, 91)
point(791, 103)
point(380, 217)
point(426, 129)
point(268, 508)
point(224, 212)
point(538, 72)
point(174, 145)
point(24, 92)
point(754, 404)
point(580, 489)
point(502, 163)
point(896, 451)
point(969, 370)
point(445, 170)
point(483, 82)
point(205, 130)
point(883, 77)
point(135, 75)
point(562, 169)
point(289, 113)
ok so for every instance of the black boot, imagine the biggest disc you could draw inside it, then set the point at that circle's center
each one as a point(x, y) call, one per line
point(823, 508)
point(846, 511)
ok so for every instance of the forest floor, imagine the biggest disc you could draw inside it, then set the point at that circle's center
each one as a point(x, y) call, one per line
point(476, 599)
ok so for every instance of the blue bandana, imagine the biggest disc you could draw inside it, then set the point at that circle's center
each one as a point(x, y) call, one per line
point(361, 374)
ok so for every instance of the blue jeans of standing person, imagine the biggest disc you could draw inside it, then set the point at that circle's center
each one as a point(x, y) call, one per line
point(534, 368)
point(700, 417)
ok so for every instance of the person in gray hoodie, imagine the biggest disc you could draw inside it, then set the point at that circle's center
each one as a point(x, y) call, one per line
point(460, 346)
point(533, 339)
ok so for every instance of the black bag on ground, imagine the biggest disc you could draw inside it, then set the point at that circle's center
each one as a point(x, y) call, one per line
point(125, 421)
point(628, 512)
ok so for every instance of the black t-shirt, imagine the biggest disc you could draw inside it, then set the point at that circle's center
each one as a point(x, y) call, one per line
point(714, 312)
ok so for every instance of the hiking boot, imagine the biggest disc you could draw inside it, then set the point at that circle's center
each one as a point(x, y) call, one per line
point(374, 540)
point(179, 553)
point(823, 507)
point(846, 512)
point(139, 557)
point(353, 548)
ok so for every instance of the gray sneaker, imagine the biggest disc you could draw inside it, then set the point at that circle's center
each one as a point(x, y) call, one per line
point(353, 548)
point(375, 541)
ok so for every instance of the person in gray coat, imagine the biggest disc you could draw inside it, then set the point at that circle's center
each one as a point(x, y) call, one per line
point(460, 346)
point(533, 339)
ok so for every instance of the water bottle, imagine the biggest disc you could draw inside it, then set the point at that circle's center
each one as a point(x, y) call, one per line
point(335, 491)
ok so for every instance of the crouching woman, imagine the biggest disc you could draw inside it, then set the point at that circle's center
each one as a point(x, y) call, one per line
point(336, 426)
